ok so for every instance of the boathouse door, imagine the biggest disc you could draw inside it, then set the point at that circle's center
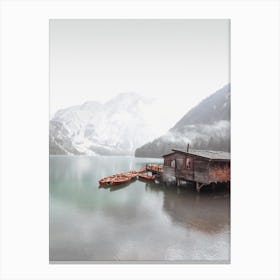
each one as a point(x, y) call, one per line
point(179, 163)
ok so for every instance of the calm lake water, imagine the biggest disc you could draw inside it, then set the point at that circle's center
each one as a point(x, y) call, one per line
point(137, 222)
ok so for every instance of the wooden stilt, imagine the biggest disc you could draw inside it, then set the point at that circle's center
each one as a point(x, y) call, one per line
point(197, 187)
point(213, 185)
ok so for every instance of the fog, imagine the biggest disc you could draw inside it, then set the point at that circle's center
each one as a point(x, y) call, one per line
point(178, 62)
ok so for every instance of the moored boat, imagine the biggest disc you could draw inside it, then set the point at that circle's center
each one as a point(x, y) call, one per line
point(133, 174)
point(106, 180)
point(146, 176)
point(125, 177)
point(120, 179)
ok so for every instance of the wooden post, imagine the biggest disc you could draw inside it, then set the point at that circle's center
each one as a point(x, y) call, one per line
point(228, 184)
point(213, 185)
point(197, 187)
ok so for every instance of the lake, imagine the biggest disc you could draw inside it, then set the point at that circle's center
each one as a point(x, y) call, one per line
point(140, 221)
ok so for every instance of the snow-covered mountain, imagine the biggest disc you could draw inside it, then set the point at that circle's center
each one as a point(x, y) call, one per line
point(206, 126)
point(117, 127)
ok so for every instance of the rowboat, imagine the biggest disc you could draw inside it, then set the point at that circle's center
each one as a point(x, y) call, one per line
point(120, 179)
point(146, 176)
point(106, 180)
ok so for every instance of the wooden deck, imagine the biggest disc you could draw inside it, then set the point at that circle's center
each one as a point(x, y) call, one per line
point(154, 168)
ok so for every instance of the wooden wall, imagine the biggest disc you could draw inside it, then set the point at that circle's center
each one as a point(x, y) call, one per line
point(219, 172)
point(200, 170)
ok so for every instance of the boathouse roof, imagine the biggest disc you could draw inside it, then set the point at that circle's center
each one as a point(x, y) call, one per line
point(213, 155)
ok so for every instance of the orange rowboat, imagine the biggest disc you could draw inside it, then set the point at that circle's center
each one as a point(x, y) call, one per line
point(133, 174)
point(146, 176)
point(106, 180)
point(120, 179)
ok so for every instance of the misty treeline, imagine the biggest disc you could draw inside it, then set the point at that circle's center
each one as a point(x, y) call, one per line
point(157, 148)
point(205, 127)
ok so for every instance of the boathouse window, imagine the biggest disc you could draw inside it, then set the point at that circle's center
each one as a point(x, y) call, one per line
point(167, 162)
point(173, 163)
point(188, 163)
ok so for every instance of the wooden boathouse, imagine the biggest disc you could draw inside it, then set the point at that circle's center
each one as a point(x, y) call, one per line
point(202, 167)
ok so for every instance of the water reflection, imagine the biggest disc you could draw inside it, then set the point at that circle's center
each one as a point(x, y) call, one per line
point(137, 221)
point(207, 212)
point(119, 187)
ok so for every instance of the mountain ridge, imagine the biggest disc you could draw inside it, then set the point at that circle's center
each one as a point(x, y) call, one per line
point(116, 127)
point(205, 126)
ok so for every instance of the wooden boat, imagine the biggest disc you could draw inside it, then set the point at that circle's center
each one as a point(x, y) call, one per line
point(106, 180)
point(120, 179)
point(117, 179)
point(146, 176)
point(133, 174)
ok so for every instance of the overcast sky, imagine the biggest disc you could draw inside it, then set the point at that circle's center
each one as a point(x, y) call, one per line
point(178, 61)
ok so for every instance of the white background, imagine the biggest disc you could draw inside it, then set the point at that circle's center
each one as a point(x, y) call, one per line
point(255, 138)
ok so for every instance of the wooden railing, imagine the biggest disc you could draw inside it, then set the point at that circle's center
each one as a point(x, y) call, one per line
point(157, 168)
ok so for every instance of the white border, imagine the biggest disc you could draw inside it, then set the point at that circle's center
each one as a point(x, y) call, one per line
point(255, 137)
